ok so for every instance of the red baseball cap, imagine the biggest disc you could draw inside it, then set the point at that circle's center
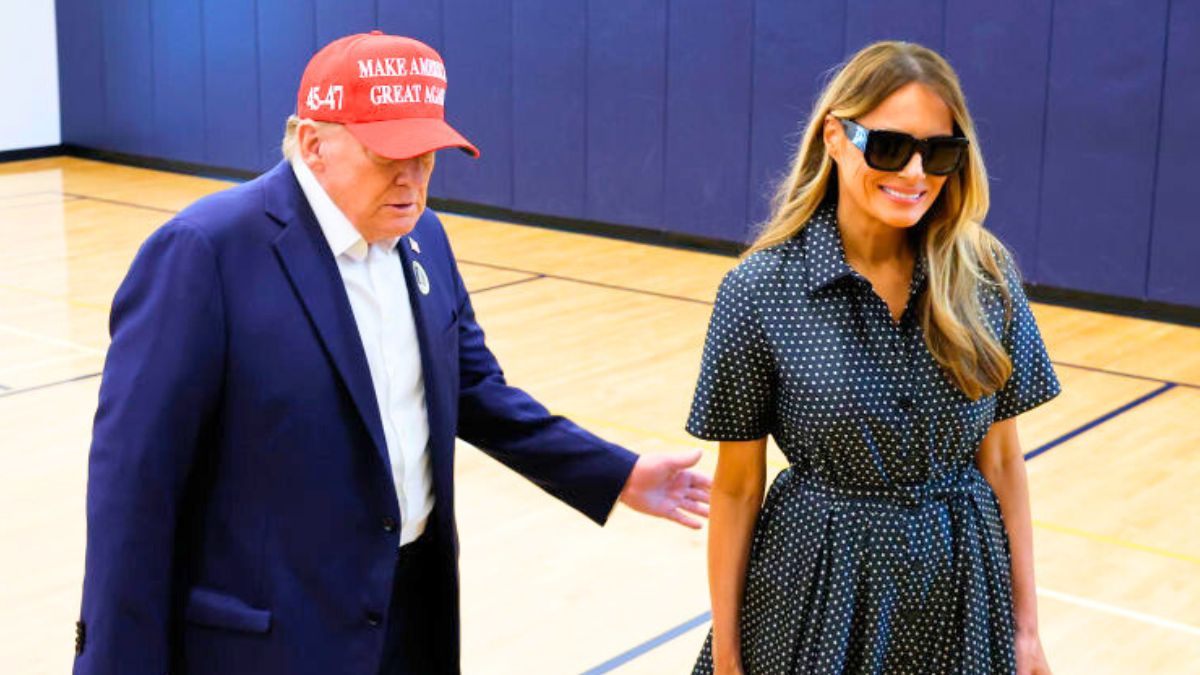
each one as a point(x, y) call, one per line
point(388, 91)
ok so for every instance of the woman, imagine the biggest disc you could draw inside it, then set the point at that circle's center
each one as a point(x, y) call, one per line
point(882, 336)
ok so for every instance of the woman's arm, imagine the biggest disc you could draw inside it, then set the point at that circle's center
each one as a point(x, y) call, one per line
point(737, 495)
point(1003, 465)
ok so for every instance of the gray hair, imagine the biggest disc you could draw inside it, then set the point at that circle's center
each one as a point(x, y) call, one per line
point(291, 134)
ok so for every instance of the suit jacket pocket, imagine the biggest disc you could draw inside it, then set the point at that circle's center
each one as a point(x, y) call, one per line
point(215, 609)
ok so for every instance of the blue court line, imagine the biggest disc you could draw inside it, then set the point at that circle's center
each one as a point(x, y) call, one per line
point(659, 640)
point(79, 378)
point(637, 651)
point(1100, 420)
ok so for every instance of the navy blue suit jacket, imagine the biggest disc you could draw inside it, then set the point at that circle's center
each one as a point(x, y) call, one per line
point(239, 483)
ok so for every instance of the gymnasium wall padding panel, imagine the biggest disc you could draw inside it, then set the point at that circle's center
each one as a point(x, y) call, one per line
point(1175, 247)
point(477, 46)
point(626, 112)
point(129, 75)
point(80, 28)
point(680, 116)
point(1106, 63)
point(788, 75)
point(1004, 74)
point(232, 85)
point(549, 127)
point(178, 58)
point(287, 38)
point(708, 117)
point(917, 20)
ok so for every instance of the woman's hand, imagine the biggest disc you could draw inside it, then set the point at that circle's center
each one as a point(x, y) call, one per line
point(1031, 659)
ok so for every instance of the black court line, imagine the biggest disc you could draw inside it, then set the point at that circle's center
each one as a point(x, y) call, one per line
point(701, 619)
point(62, 200)
point(1118, 373)
point(507, 284)
point(118, 202)
point(599, 284)
point(36, 387)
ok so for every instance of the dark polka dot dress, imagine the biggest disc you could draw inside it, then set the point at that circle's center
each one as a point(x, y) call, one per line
point(880, 549)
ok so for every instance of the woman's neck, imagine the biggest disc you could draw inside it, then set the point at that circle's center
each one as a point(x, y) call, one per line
point(870, 242)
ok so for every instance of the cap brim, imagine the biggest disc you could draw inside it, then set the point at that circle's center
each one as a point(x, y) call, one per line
point(402, 139)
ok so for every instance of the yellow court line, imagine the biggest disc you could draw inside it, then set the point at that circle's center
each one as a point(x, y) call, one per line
point(53, 341)
point(55, 296)
point(1116, 541)
point(1054, 527)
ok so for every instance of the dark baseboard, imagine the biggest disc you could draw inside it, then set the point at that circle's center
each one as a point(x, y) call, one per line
point(1142, 309)
point(1112, 304)
point(31, 153)
point(174, 166)
point(631, 233)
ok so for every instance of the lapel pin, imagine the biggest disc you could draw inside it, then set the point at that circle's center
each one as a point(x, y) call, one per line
point(412, 243)
point(422, 278)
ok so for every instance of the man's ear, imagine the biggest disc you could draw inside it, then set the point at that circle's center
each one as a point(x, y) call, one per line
point(308, 144)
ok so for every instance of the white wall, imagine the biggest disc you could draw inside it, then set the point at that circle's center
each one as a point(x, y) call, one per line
point(28, 75)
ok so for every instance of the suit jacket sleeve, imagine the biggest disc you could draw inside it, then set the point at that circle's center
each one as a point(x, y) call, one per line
point(574, 465)
point(160, 388)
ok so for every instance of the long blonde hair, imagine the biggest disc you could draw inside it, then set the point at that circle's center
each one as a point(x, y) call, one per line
point(961, 256)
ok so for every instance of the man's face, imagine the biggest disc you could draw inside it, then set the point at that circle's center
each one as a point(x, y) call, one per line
point(381, 197)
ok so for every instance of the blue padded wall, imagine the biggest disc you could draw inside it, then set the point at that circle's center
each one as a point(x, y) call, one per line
point(549, 90)
point(681, 115)
point(178, 58)
point(708, 117)
point(626, 112)
point(1106, 64)
point(788, 75)
point(1004, 74)
point(1175, 243)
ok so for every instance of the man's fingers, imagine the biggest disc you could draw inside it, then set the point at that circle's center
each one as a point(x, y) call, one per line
point(698, 495)
point(684, 520)
point(700, 480)
point(683, 460)
point(695, 507)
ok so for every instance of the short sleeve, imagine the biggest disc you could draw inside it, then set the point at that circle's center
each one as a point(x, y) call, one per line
point(733, 400)
point(1033, 381)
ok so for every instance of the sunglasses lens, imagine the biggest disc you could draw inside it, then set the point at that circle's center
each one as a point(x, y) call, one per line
point(943, 157)
point(888, 151)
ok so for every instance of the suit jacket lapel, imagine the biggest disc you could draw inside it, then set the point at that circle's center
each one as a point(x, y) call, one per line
point(313, 272)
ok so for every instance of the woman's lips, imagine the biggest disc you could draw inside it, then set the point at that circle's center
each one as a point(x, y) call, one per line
point(903, 196)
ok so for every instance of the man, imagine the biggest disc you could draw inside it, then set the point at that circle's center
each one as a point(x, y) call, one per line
point(270, 485)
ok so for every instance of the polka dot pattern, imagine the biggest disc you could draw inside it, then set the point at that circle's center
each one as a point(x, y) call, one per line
point(881, 548)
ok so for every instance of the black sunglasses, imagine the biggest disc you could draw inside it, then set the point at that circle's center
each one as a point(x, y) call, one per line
point(891, 150)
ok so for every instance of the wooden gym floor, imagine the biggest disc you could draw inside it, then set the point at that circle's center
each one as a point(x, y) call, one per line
point(608, 333)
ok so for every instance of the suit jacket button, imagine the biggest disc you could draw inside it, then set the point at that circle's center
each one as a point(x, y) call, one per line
point(374, 619)
point(389, 524)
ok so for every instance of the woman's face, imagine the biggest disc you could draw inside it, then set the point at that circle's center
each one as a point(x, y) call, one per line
point(893, 198)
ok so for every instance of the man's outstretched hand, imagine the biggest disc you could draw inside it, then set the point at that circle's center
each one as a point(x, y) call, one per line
point(663, 485)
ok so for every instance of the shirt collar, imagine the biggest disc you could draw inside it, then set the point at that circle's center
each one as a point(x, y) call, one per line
point(825, 254)
point(343, 237)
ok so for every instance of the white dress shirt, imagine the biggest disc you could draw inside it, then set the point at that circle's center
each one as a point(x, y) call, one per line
point(374, 280)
